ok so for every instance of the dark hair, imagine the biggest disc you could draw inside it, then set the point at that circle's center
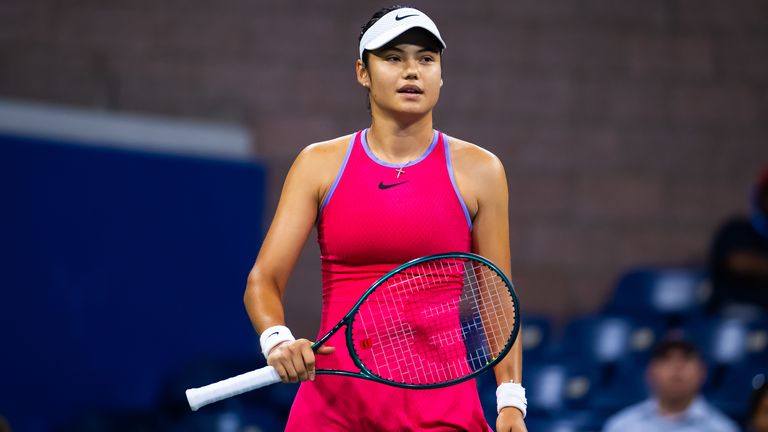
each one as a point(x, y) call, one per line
point(667, 346)
point(758, 395)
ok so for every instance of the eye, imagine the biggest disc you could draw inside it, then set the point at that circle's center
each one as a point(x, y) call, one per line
point(428, 59)
point(392, 58)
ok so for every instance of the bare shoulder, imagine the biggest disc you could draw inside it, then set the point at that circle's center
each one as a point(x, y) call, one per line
point(474, 161)
point(479, 174)
point(325, 151)
point(321, 159)
point(317, 164)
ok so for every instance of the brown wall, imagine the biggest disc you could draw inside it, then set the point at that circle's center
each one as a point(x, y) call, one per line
point(628, 129)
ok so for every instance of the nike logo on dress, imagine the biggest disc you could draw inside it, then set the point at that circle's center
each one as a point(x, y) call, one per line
point(398, 17)
point(387, 186)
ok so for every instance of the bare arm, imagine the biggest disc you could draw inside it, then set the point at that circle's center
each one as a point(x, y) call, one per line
point(483, 184)
point(306, 182)
point(490, 238)
point(291, 225)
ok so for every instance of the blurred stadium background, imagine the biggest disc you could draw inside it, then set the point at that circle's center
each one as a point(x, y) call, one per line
point(143, 145)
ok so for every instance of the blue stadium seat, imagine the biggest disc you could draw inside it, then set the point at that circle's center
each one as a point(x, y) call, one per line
point(735, 351)
point(733, 394)
point(730, 341)
point(625, 386)
point(536, 337)
point(609, 339)
point(611, 353)
point(675, 293)
point(553, 388)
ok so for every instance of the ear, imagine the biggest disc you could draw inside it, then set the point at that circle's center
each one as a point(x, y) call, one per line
point(362, 74)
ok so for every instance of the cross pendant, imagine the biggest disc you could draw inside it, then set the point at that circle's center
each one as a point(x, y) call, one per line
point(400, 171)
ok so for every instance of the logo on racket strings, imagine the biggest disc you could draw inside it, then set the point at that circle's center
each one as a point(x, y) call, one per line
point(366, 344)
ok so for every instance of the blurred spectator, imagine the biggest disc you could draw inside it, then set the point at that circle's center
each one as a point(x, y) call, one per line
point(739, 258)
point(758, 410)
point(675, 375)
point(4, 426)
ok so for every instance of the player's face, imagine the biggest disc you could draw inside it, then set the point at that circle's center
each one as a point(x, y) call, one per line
point(676, 376)
point(760, 419)
point(405, 76)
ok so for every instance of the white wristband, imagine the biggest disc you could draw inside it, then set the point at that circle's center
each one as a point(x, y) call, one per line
point(273, 336)
point(511, 394)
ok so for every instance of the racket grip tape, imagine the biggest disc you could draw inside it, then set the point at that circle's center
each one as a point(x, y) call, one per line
point(198, 397)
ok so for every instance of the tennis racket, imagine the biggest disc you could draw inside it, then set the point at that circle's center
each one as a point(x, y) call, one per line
point(431, 322)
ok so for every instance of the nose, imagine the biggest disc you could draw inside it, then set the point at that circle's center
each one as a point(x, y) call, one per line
point(411, 69)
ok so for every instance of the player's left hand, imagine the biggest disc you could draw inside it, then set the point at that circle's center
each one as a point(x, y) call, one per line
point(510, 419)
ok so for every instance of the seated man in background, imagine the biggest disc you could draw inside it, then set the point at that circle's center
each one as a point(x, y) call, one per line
point(739, 259)
point(675, 373)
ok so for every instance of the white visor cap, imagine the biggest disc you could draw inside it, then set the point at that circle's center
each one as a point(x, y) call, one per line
point(395, 23)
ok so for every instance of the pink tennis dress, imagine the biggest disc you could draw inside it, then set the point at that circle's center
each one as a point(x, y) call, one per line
point(377, 216)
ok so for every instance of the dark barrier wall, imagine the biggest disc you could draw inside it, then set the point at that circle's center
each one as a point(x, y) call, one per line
point(118, 269)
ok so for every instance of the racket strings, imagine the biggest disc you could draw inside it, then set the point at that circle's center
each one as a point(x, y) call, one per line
point(493, 314)
point(434, 322)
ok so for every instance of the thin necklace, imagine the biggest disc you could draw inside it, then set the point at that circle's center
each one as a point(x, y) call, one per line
point(400, 170)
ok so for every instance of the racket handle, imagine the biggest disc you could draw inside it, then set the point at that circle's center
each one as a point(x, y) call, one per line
point(198, 397)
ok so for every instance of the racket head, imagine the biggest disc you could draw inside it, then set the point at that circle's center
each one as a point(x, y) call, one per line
point(434, 322)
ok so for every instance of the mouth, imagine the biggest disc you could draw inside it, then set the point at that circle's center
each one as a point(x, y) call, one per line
point(410, 89)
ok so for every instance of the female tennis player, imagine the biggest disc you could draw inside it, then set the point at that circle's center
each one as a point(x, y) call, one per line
point(380, 197)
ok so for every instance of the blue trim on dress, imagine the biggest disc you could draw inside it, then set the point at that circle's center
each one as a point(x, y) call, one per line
point(341, 171)
point(393, 165)
point(453, 181)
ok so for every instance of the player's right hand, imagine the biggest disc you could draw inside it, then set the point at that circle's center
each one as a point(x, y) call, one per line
point(294, 361)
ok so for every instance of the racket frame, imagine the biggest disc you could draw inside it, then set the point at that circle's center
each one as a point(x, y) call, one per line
point(365, 373)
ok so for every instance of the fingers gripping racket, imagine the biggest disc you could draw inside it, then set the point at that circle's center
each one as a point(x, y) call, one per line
point(432, 322)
